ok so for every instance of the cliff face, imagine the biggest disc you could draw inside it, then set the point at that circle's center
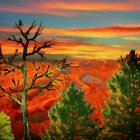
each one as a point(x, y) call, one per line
point(90, 76)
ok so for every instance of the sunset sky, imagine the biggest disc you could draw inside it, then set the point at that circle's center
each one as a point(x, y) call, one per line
point(81, 29)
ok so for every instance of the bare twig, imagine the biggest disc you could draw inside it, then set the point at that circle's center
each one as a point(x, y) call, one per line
point(30, 28)
point(9, 95)
point(37, 33)
point(46, 74)
point(27, 39)
point(37, 49)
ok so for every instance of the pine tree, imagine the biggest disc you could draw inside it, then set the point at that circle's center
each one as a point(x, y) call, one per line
point(71, 117)
point(5, 127)
point(122, 120)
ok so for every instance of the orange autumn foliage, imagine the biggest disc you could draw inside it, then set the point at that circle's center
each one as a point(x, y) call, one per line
point(88, 75)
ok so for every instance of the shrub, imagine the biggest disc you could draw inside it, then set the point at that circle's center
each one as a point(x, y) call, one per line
point(5, 127)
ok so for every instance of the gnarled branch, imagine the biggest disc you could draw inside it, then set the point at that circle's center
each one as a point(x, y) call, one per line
point(46, 74)
point(37, 49)
point(25, 41)
point(9, 95)
point(37, 33)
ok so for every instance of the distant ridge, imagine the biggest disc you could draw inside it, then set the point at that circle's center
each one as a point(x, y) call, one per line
point(53, 57)
point(36, 57)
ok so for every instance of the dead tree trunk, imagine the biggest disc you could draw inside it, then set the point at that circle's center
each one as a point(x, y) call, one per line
point(24, 106)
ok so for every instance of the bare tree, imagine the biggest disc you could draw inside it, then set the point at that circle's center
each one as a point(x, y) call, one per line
point(8, 65)
point(25, 39)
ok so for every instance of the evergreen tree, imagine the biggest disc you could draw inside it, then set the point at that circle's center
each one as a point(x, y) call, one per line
point(71, 117)
point(5, 127)
point(122, 120)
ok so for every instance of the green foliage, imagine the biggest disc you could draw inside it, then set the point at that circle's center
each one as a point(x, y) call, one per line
point(71, 117)
point(121, 119)
point(5, 127)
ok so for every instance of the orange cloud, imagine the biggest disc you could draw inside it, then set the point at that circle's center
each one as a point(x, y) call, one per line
point(78, 50)
point(70, 8)
point(8, 29)
point(104, 32)
point(9, 47)
point(94, 6)
point(95, 51)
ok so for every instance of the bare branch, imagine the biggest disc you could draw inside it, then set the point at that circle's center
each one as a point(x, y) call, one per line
point(9, 62)
point(12, 90)
point(63, 63)
point(46, 74)
point(19, 27)
point(7, 71)
point(14, 82)
point(37, 49)
point(37, 33)
point(9, 95)
point(36, 67)
point(47, 86)
point(18, 41)
point(30, 28)
point(25, 41)
point(15, 91)
point(1, 55)
point(13, 38)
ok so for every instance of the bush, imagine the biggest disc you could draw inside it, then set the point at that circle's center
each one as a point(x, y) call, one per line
point(5, 127)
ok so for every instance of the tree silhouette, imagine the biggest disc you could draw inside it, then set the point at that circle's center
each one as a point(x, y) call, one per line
point(25, 39)
point(8, 65)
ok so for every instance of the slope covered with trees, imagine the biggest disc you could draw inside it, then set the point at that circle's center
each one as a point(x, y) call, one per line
point(5, 127)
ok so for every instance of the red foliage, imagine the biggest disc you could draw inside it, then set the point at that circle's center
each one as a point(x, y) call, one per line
point(97, 72)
